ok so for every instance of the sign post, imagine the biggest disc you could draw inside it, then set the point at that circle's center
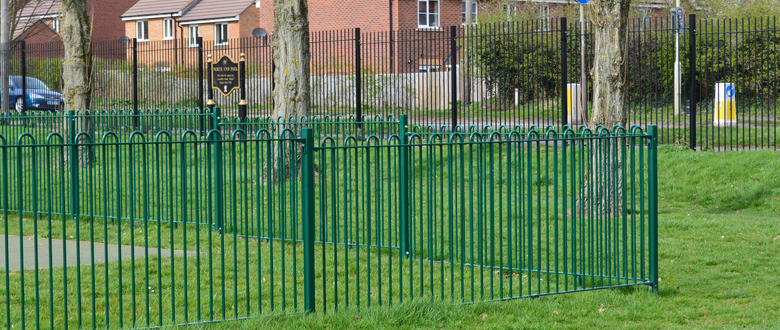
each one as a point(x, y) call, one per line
point(242, 83)
point(584, 77)
point(210, 100)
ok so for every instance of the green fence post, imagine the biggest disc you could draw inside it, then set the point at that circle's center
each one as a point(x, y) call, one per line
point(404, 186)
point(218, 175)
point(74, 165)
point(308, 218)
point(653, 186)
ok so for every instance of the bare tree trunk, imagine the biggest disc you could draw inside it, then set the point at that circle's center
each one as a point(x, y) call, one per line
point(77, 67)
point(609, 106)
point(291, 56)
point(609, 75)
point(292, 91)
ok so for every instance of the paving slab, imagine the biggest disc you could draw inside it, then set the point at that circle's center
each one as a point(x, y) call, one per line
point(68, 253)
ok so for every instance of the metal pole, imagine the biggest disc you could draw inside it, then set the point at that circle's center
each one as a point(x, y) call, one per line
point(73, 163)
point(358, 80)
point(404, 187)
point(210, 102)
point(308, 219)
point(583, 76)
point(653, 187)
point(390, 35)
point(201, 106)
point(200, 74)
point(454, 75)
point(242, 80)
point(692, 81)
point(564, 73)
point(464, 77)
point(216, 138)
point(677, 67)
point(23, 45)
point(5, 38)
point(135, 83)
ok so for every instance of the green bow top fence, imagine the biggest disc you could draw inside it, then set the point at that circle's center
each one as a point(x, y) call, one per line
point(152, 219)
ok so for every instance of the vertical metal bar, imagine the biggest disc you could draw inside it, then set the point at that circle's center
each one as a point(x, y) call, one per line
point(358, 79)
point(242, 103)
point(454, 75)
point(308, 218)
point(404, 186)
point(23, 45)
point(218, 175)
point(653, 201)
point(74, 170)
point(692, 80)
point(200, 86)
point(564, 74)
point(135, 83)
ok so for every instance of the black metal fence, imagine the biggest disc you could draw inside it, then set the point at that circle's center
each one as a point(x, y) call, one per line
point(504, 74)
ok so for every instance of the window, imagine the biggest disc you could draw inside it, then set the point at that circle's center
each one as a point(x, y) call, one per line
point(142, 30)
point(428, 11)
point(473, 11)
point(193, 36)
point(168, 28)
point(55, 24)
point(221, 34)
point(429, 68)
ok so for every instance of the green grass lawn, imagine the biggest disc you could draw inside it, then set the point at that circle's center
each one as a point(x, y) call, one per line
point(719, 242)
point(719, 251)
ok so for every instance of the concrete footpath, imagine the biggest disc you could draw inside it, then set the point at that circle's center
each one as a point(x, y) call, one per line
point(61, 254)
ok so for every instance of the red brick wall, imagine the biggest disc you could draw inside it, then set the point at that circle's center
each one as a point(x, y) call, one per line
point(39, 32)
point(368, 15)
point(107, 20)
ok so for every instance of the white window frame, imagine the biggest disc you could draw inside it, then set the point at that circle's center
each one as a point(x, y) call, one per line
point(436, 15)
point(218, 30)
point(55, 24)
point(474, 11)
point(428, 68)
point(193, 39)
point(142, 30)
point(167, 28)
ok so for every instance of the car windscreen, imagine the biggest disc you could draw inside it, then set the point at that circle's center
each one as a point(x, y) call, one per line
point(32, 83)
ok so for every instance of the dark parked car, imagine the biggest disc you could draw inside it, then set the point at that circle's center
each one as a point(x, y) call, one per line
point(39, 96)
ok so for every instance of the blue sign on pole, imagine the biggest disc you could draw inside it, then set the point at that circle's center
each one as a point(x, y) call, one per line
point(730, 91)
point(583, 2)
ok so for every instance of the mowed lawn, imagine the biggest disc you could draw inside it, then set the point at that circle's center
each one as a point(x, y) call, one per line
point(719, 265)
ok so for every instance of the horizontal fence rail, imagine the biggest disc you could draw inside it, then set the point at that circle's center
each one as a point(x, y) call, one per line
point(165, 225)
point(510, 73)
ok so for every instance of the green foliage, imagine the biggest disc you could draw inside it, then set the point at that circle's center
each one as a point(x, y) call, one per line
point(507, 57)
point(506, 60)
point(48, 70)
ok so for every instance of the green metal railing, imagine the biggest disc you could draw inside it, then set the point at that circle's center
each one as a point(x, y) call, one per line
point(163, 225)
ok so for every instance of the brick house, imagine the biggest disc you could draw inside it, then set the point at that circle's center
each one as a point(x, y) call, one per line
point(168, 31)
point(39, 20)
point(216, 21)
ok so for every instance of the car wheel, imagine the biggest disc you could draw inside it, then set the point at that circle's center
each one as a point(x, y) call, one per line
point(19, 105)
